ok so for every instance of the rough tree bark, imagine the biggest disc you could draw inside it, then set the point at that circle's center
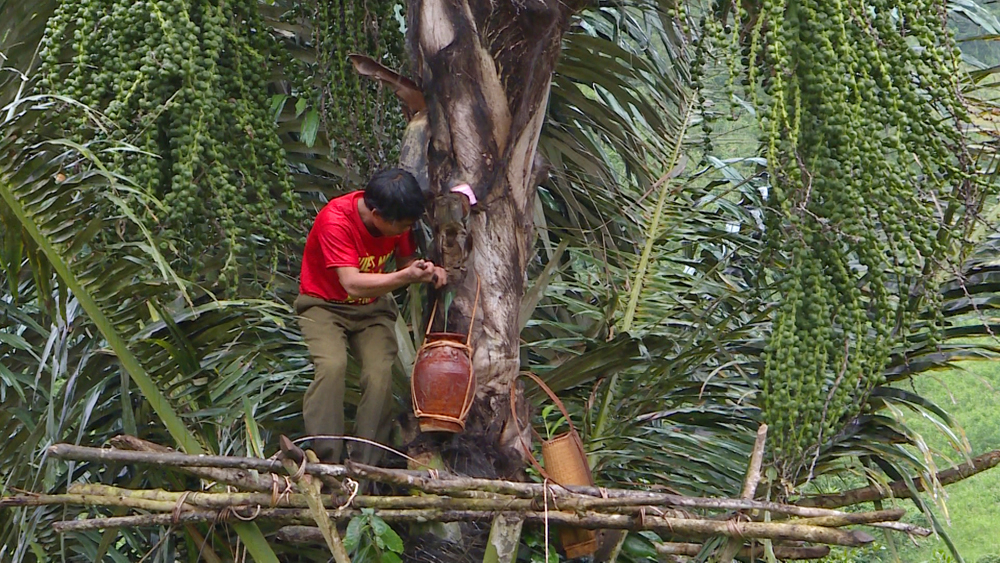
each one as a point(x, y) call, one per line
point(485, 67)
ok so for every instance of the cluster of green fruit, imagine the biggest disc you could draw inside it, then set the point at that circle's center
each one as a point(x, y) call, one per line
point(361, 119)
point(186, 83)
point(872, 189)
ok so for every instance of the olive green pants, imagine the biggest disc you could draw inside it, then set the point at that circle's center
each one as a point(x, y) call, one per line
point(369, 330)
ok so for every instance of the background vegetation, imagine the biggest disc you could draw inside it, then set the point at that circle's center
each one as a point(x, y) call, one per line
point(660, 369)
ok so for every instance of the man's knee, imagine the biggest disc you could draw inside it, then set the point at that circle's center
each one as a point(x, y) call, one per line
point(377, 380)
point(330, 366)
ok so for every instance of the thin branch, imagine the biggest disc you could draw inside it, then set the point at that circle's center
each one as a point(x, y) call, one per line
point(899, 489)
point(911, 529)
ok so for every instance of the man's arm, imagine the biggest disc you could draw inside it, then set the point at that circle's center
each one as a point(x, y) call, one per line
point(367, 285)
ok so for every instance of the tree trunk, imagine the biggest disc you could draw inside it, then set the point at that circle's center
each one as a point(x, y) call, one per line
point(485, 68)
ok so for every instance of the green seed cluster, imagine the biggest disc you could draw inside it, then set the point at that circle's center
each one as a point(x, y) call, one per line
point(713, 46)
point(702, 41)
point(186, 82)
point(362, 120)
point(871, 184)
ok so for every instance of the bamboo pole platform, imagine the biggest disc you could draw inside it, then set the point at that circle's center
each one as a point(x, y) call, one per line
point(287, 490)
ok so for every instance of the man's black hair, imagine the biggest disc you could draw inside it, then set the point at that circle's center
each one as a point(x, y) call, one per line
point(395, 194)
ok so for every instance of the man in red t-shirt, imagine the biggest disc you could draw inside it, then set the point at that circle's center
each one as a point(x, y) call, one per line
point(345, 301)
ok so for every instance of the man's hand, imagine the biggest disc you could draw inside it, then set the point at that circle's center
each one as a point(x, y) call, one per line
point(424, 271)
point(440, 277)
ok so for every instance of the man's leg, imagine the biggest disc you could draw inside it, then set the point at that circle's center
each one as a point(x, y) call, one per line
point(323, 405)
point(375, 348)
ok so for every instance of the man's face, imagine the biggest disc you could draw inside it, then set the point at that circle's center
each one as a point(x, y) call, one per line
point(390, 228)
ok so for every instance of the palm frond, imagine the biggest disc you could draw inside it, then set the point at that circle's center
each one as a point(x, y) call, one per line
point(95, 279)
point(54, 211)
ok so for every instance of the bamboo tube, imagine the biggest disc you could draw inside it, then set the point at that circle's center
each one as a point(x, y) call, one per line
point(440, 485)
point(675, 526)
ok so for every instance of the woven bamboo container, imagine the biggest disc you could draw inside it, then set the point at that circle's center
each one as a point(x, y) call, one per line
point(566, 464)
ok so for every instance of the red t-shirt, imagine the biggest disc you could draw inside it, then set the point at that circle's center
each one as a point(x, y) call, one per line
point(339, 239)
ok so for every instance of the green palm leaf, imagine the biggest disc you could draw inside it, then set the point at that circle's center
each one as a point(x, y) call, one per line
point(40, 205)
point(62, 205)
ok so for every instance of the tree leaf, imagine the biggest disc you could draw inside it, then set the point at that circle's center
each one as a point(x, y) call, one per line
point(392, 540)
point(278, 104)
point(353, 536)
point(310, 127)
point(107, 286)
point(381, 529)
point(185, 439)
point(14, 340)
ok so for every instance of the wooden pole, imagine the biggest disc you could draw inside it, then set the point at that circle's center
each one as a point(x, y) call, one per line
point(446, 485)
point(240, 478)
point(675, 526)
point(158, 500)
point(166, 501)
point(447, 498)
point(607, 497)
point(311, 489)
point(309, 534)
point(854, 518)
point(174, 459)
point(899, 489)
point(734, 545)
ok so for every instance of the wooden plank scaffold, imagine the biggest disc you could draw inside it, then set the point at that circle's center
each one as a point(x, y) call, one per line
point(288, 490)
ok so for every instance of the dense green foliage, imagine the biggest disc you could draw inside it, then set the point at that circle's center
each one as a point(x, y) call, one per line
point(361, 122)
point(873, 192)
point(671, 399)
point(191, 85)
point(186, 83)
point(972, 392)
